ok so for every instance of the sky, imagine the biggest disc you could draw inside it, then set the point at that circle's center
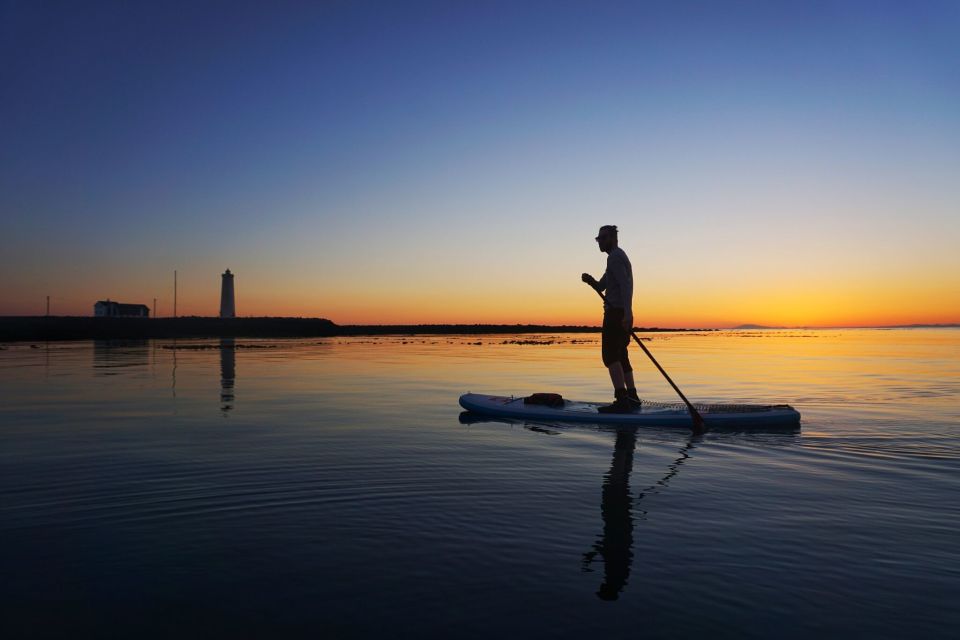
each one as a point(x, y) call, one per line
point(778, 163)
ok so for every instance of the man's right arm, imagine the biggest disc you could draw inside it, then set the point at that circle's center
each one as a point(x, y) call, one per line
point(602, 282)
point(599, 285)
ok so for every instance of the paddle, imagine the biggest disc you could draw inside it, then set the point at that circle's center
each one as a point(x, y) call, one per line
point(698, 424)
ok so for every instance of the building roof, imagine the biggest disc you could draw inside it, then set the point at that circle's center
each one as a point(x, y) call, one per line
point(128, 305)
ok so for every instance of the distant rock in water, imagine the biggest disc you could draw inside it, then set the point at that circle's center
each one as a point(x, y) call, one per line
point(754, 326)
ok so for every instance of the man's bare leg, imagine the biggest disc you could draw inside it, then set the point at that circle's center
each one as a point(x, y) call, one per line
point(617, 376)
point(621, 404)
point(631, 388)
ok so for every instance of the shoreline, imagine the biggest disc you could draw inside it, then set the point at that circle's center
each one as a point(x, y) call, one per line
point(61, 328)
point(55, 328)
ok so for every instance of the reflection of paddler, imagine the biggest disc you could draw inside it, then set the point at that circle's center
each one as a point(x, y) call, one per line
point(616, 544)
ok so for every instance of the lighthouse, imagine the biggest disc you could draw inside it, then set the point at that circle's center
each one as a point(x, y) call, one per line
point(227, 308)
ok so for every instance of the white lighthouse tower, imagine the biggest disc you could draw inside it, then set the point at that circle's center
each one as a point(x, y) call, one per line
point(227, 307)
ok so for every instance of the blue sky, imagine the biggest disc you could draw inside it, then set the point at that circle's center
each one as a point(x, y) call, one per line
point(360, 160)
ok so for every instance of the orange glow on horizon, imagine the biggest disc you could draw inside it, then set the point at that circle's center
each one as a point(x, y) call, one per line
point(578, 306)
point(410, 293)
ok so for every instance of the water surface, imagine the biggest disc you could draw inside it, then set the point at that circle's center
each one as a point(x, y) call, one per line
point(331, 488)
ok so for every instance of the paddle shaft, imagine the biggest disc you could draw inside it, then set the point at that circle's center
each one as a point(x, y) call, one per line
point(697, 418)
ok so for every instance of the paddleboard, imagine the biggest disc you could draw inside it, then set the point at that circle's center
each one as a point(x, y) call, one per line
point(659, 414)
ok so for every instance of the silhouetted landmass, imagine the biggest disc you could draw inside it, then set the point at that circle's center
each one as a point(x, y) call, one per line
point(18, 328)
point(42, 328)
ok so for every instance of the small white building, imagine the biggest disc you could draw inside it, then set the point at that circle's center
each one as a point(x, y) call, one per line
point(110, 309)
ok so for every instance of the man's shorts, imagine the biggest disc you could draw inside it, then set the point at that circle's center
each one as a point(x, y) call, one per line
point(615, 339)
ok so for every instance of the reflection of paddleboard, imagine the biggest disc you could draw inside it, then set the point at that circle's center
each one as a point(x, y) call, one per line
point(650, 413)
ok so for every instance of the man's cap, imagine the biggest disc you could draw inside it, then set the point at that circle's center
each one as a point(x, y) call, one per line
point(609, 228)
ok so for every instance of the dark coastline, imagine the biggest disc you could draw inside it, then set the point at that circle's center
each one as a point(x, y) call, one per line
point(43, 328)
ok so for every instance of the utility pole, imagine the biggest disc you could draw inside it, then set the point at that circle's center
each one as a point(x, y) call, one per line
point(48, 305)
point(154, 307)
point(174, 293)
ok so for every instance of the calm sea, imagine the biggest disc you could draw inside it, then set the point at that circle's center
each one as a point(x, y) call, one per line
point(330, 488)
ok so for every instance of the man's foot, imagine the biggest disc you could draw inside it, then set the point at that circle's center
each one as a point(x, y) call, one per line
point(634, 399)
point(622, 404)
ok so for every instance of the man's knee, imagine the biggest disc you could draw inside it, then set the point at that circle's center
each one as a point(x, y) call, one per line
point(612, 354)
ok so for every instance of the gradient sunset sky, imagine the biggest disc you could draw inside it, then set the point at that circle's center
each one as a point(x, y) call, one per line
point(785, 163)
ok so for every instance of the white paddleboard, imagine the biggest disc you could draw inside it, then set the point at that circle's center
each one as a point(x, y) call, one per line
point(649, 413)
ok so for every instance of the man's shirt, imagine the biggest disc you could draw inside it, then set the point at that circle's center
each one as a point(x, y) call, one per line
point(617, 281)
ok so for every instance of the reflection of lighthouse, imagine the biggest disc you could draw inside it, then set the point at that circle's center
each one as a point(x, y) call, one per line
point(228, 373)
point(227, 308)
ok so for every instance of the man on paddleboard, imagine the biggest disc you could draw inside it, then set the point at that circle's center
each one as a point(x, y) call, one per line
point(617, 282)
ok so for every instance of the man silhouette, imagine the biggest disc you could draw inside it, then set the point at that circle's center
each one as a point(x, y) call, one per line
point(617, 281)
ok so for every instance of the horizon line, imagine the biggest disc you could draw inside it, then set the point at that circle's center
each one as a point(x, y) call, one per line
point(742, 326)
